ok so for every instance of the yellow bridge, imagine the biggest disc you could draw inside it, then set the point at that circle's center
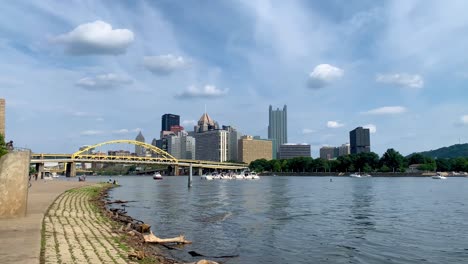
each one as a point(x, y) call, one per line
point(158, 156)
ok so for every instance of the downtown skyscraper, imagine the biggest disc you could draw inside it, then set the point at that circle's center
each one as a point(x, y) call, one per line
point(278, 128)
point(360, 140)
point(169, 120)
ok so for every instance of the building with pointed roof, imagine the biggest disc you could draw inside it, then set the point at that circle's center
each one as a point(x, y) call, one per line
point(140, 151)
point(205, 123)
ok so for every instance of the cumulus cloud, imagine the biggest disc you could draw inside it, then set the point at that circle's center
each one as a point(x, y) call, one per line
point(386, 110)
point(334, 124)
point(401, 79)
point(165, 64)
point(207, 91)
point(464, 119)
point(103, 82)
point(372, 128)
point(307, 131)
point(126, 131)
point(96, 37)
point(91, 132)
point(323, 75)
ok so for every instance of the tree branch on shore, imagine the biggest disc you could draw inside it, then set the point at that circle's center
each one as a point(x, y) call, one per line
point(151, 238)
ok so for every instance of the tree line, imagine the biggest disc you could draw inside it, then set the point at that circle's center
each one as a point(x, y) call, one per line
point(391, 161)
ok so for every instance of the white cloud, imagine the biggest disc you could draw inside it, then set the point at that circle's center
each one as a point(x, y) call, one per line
point(189, 122)
point(207, 91)
point(103, 82)
point(386, 110)
point(372, 128)
point(164, 64)
point(96, 37)
point(91, 132)
point(323, 75)
point(464, 119)
point(334, 124)
point(307, 131)
point(401, 79)
point(121, 131)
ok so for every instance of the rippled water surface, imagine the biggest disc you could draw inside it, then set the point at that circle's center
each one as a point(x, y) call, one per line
point(308, 219)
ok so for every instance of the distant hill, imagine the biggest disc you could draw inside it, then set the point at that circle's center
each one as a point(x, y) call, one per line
point(454, 151)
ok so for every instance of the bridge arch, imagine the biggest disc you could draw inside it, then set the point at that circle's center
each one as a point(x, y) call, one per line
point(163, 155)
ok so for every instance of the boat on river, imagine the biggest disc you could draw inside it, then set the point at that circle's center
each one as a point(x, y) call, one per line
point(157, 176)
point(439, 177)
point(355, 175)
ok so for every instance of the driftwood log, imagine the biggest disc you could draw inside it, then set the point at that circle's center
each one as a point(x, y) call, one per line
point(151, 238)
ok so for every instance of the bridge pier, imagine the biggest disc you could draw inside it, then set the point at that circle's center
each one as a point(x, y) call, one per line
point(190, 176)
point(200, 171)
point(176, 170)
point(40, 170)
point(71, 169)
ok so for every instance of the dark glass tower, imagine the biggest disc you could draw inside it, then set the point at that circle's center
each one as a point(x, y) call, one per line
point(360, 140)
point(278, 128)
point(169, 120)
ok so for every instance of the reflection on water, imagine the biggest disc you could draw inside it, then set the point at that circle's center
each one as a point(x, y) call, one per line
point(307, 219)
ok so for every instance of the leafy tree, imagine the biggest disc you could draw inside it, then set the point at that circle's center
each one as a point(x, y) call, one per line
point(3, 149)
point(393, 159)
point(460, 164)
point(444, 164)
point(416, 159)
point(385, 168)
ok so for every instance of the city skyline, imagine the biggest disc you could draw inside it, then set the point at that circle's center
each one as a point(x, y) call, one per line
point(379, 65)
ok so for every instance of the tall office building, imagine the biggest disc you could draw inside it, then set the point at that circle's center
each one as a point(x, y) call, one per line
point(181, 146)
point(251, 149)
point(211, 142)
point(289, 151)
point(344, 150)
point(329, 153)
point(360, 140)
point(206, 123)
point(169, 120)
point(140, 151)
point(2, 116)
point(278, 128)
point(212, 145)
point(233, 138)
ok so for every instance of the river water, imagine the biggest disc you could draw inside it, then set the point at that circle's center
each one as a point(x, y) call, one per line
point(307, 219)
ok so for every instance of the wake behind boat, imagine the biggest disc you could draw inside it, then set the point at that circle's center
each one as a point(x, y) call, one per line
point(355, 175)
point(439, 177)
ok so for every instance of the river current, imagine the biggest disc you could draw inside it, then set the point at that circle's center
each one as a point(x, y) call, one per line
point(307, 219)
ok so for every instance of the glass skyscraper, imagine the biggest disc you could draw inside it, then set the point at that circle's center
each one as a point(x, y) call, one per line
point(278, 128)
point(168, 120)
point(360, 140)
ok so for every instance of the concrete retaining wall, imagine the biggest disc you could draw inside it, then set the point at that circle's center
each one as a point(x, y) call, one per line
point(14, 174)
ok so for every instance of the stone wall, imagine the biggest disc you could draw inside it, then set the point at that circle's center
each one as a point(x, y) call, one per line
point(14, 175)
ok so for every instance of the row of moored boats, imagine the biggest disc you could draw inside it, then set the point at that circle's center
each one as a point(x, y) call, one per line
point(230, 176)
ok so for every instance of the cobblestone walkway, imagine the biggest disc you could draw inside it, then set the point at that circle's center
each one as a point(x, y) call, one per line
point(75, 231)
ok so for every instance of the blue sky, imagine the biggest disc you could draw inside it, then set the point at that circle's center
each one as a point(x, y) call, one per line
point(83, 72)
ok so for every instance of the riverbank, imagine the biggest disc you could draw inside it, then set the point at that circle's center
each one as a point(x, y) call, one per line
point(20, 238)
point(339, 174)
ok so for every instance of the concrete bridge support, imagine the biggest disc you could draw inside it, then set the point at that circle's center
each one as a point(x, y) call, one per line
point(176, 170)
point(14, 172)
point(200, 171)
point(71, 169)
point(40, 170)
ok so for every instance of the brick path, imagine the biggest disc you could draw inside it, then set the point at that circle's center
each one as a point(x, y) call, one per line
point(76, 232)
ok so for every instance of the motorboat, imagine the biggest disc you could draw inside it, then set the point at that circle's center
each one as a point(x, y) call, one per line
point(439, 177)
point(355, 175)
point(54, 175)
point(255, 176)
point(366, 175)
point(250, 175)
point(157, 176)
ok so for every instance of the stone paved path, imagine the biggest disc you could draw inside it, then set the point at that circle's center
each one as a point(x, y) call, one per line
point(76, 232)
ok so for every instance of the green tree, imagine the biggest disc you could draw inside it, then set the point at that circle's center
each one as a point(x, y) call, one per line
point(3, 149)
point(416, 159)
point(393, 159)
point(444, 164)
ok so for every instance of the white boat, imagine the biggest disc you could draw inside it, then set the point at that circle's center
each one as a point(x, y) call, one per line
point(157, 176)
point(255, 176)
point(239, 176)
point(439, 177)
point(355, 175)
point(54, 175)
point(366, 175)
point(248, 175)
